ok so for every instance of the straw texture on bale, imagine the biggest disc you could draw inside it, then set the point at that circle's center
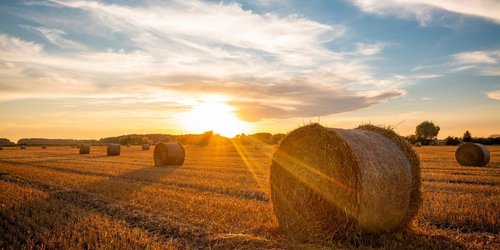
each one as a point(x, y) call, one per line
point(85, 149)
point(113, 149)
point(145, 146)
point(472, 154)
point(336, 183)
point(169, 154)
point(22, 147)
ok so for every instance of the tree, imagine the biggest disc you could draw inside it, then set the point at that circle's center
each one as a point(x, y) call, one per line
point(426, 131)
point(467, 136)
point(206, 138)
point(452, 140)
point(412, 139)
point(5, 141)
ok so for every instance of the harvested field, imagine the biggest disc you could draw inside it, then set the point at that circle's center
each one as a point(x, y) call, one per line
point(219, 198)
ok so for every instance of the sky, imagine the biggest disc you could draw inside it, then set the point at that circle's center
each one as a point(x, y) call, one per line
point(92, 69)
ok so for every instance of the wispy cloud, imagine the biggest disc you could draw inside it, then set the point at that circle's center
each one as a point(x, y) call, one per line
point(485, 62)
point(482, 62)
point(477, 57)
point(424, 11)
point(369, 49)
point(55, 37)
point(495, 95)
point(269, 66)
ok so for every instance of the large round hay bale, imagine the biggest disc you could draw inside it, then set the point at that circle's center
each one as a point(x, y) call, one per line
point(22, 147)
point(169, 154)
point(113, 149)
point(145, 146)
point(417, 144)
point(1, 147)
point(44, 147)
point(337, 183)
point(85, 149)
point(472, 154)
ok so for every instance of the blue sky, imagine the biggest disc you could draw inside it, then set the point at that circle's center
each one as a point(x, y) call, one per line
point(86, 69)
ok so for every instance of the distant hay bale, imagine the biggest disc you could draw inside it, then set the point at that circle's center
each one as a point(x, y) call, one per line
point(337, 183)
point(258, 146)
point(417, 144)
point(472, 154)
point(1, 147)
point(113, 149)
point(145, 146)
point(44, 146)
point(169, 154)
point(22, 147)
point(85, 149)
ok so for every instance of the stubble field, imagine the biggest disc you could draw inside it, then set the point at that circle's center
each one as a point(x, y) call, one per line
point(219, 198)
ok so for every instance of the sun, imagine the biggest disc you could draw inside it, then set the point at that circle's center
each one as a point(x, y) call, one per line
point(213, 114)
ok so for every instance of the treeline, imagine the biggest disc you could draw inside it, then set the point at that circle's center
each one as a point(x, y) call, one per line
point(53, 142)
point(426, 134)
point(207, 138)
point(485, 141)
point(259, 138)
point(5, 142)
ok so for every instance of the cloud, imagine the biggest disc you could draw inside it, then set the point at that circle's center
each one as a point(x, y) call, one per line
point(485, 62)
point(55, 37)
point(269, 66)
point(369, 49)
point(495, 95)
point(295, 98)
point(477, 57)
point(424, 11)
point(267, 3)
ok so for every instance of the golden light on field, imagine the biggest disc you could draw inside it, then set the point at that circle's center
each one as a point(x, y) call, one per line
point(213, 113)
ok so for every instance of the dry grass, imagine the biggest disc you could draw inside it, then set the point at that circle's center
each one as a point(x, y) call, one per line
point(56, 198)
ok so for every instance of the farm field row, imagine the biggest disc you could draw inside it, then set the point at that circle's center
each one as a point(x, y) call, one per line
point(219, 198)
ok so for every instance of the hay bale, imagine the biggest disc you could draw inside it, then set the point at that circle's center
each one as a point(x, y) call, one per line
point(259, 146)
point(22, 147)
point(169, 154)
point(336, 183)
point(85, 149)
point(1, 147)
point(417, 144)
point(145, 146)
point(44, 146)
point(472, 154)
point(113, 149)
